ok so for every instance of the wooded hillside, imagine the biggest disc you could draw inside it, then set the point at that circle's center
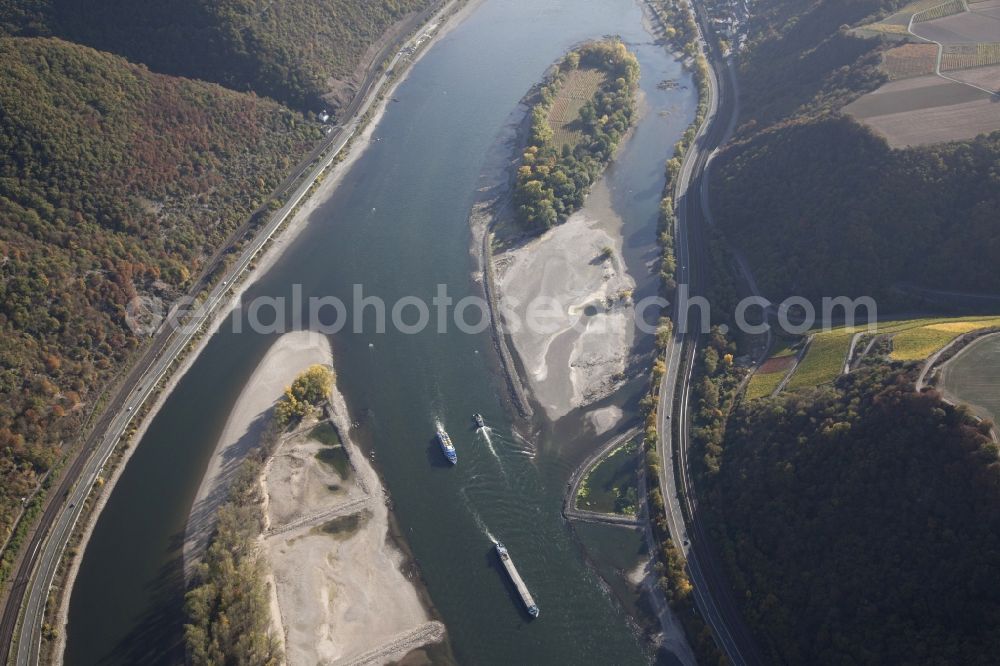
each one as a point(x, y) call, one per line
point(821, 205)
point(861, 524)
point(116, 183)
point(295, 51)
point(860, 521)
point(825, 208)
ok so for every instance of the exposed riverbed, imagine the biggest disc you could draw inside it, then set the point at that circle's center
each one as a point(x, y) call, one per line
point(398, 225)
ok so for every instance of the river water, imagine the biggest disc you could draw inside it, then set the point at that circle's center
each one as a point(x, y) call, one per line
point(398, 225)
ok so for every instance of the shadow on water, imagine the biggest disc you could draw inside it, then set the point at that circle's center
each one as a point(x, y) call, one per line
point(158, 636)
point(493, 562)
point(434, 455)
point(128, 604)
point(202, 516)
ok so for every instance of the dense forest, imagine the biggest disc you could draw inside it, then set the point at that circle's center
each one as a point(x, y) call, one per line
point(821, 205)
point(116, 184)
point(826, 208)
point(554, 179)
point(861, 524)
point(296, 51)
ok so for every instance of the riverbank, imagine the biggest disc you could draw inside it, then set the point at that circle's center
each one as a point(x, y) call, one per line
point(288, 357)
point(341, 594)
point(492, 209)
point(420, 176)
point(585, 262)
point(450, 16)
point(580, 357)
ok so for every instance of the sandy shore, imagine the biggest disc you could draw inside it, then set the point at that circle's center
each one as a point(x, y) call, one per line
point(268, 257)
point(287, 358)
point(580, 355)
point(605, 418)
point(574, 358)
point(338, 590)
point(341, 592)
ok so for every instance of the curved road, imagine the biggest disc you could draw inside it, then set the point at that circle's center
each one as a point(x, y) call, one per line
point(41, 555)
point(713, 596)
point(573, 486)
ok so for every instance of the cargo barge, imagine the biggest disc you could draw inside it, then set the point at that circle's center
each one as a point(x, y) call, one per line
point(522, 589)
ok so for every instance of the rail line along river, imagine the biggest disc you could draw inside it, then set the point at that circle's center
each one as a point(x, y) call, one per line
point(398, 226)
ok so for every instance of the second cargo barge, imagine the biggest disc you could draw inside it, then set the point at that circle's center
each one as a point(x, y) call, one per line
point(522, 589)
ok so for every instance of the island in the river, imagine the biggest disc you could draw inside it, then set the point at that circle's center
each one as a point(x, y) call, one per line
point(290, 551)
point(542, 241)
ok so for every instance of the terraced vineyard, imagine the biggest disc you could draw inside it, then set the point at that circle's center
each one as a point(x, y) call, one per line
point(897, 23)
point(919, 342)
point(578, 89)
point(912, 340)
point(825, 359)
point(769, 375)
point(880, 28)
point(940, 11)
point(964, 56)
point(909, 60)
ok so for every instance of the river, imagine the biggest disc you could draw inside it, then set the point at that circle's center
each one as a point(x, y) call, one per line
point(398, 225)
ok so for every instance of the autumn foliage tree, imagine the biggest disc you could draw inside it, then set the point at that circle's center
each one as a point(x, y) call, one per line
point(552, 180)
point(116, 185)
point(308, 391)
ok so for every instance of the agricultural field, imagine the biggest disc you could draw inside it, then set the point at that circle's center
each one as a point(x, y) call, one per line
point(768, 376)
point(984, 77)
point(918, 342)
point(973, 377)
point(981, 24)
point(897, 23)
point(908, 60)
point(610, 486)
point(824, 361)
point(964, 56)
point(578, 89)
point(926, 109)
point(912, 340)
point(940, 11)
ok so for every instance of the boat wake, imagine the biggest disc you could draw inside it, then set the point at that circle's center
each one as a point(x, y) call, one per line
point(485, 432)
point(475, 516)
point(527, 449)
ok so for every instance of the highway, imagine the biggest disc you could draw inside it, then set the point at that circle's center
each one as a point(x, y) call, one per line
point(712, 594)
point(42, 553)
